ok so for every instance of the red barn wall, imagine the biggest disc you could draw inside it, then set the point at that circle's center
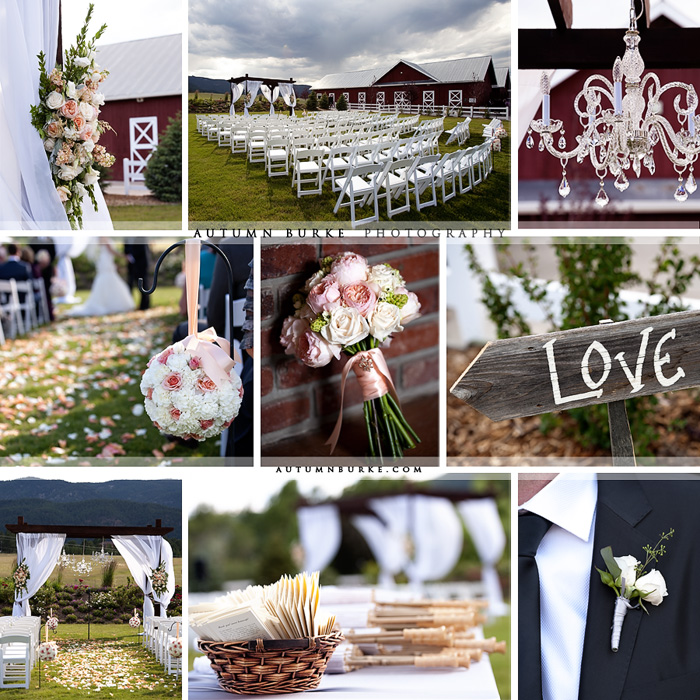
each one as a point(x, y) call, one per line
point(118, 113)
point(542, 166)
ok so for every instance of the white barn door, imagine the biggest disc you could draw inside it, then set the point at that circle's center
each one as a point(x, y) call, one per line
point(143, 140)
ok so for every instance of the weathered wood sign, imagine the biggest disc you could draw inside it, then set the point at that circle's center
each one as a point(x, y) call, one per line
point(597, 364)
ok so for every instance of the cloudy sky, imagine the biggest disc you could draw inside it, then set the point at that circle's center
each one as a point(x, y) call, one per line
point(596, 13)
point(126, 19)
point(306, 39)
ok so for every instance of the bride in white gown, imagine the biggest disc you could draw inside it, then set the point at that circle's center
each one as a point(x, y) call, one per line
point(110, 293)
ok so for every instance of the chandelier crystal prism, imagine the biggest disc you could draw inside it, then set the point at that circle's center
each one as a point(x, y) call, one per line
point(631, 130)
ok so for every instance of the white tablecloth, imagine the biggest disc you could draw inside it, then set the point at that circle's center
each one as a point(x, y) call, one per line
point(398, 682)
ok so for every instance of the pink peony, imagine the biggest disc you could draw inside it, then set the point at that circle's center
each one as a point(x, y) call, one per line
point(206, 384)
point(314, 351)
point(195, 362)
point(349, 268)
point(292, 328)
point(79, 122)
point(325, 296)
point(87, 133)
point(70, 109)
point(361, 297)
point(173, 382)
point(411, 309)
point(175, 413)
point(206, 424)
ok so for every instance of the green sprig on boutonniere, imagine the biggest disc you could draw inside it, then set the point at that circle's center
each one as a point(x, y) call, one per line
point(633, 584)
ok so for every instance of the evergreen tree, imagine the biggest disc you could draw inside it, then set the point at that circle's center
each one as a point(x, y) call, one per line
point(323, 102)
point(342, 104)
point(164, 170)
point(311, 102)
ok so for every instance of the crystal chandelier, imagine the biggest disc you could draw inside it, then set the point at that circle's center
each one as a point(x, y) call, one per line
point(626, 133)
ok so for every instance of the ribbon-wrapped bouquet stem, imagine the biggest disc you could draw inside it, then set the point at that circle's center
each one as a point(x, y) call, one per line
point(351, 307)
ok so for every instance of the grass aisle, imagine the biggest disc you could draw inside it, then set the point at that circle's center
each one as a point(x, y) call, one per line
point(69, 392)
point(225, 187)
point(112, 664)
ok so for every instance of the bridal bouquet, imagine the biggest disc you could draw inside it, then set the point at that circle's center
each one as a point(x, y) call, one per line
point(351, 307)
point(67, 119)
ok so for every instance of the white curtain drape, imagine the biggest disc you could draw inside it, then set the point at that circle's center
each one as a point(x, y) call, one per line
point(319, 534)
point(252, 87)
point(141, 554)
point(484, 524)
point(67, 248)
point(387, 545)
point(289, 96)
point(236, 92)
point(437, 537)
point(40, 553)
point(270, 96)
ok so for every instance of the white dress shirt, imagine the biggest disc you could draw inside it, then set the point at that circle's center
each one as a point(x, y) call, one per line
point(564, 560)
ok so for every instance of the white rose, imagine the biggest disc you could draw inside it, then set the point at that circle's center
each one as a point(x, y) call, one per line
point(384, 277)
point(70, 89)
point(628, 566)
point(89, 145)
point(69, 132)
point(82, 61)
point(91, 177)
point(49, 145)
point(98, 99)
point(385, 320)
point(96, 77)
point(346, 327)
point(87, 111)
point(55, 100)
point(410, 311)
point(69, 172)
point(653, 586)
point(314, 280)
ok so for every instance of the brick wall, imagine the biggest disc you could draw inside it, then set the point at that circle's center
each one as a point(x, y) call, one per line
point(297, 398)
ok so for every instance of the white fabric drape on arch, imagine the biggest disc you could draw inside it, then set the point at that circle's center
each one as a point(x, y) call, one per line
point(319, 534)
point(484, 525)
point(270, 96)
point(252, 87)
point(236, 92)
point(66, 249)
point(289, 96)
point(40, 552)
point(141, 554)
point(387, 545)
point(28, 198)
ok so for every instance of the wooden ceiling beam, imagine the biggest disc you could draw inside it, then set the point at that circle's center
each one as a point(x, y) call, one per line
point(596, 49)
point(86, 531)
point(562, 13)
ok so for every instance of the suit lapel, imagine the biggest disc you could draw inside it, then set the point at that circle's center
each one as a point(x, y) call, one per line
point(621, 506)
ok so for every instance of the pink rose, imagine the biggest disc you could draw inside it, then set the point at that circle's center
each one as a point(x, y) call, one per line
point(240, 391)
point(149, 393)
point(314, 351)
point(173, 382)
point(206, 384)
point(54, 129)
point(195, 363)
point(175, 413)
point(292, 328)
point(206, 424)
point(70, 109)
point(87, 133)
point(325, 296)
point(163, 359)
point(79, 122)
point(360, 296)
point(349, 268)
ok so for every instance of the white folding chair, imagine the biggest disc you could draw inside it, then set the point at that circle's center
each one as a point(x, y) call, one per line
point(256, 146)
point(359, 188)
point(27, 303)
point(10, 308)
point(397, 184)
point(424, 178)
point(308, 171)
point(15, 659)
point(277, 156)
point(43, 316)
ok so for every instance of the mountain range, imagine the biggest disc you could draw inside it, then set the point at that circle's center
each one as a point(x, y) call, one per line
point(195, 82)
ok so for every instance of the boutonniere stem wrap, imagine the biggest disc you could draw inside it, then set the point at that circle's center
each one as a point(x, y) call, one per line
point(633, 584)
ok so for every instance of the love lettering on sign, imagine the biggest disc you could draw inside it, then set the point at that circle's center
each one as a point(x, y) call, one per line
point(598, 364)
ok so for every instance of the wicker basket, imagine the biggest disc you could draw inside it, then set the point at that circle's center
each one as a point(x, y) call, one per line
point(276, 666)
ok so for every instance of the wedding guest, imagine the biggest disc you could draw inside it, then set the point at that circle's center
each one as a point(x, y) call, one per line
point(13, 267)
point(565, 610)
point(3, 254)
point(44, 266)
point(139, 264)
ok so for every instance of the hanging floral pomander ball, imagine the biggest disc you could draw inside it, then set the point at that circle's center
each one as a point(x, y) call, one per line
point(48, 651)
point(135, 622)
point(175, 648)
point(52, 623)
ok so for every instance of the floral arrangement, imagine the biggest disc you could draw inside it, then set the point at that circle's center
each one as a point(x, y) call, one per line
point(134, 621)
point(175, 648)
point(52, 623)
point(350, 307)
point(48, 651)
point(183, 399)
point(21, 576)
point(633, 585)
point(159, 579)
point(67, 119)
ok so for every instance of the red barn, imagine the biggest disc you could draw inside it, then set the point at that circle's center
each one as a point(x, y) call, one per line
point(145, 80)
point(459, 83)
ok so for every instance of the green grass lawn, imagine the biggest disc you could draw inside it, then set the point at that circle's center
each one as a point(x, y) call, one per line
point(113, 664)
point(70, 390)
point(146, 217)
point(94, 579)
point(500, 663)
point(224, 187)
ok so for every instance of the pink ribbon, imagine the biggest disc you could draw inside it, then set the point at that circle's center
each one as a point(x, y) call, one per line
point(375, 381)
point(216, 359)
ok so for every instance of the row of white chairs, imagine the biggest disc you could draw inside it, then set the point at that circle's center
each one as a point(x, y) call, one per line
point(460, 132)
point(158, 632)
point(19, 639)
point(491, 128)
point(23, 306)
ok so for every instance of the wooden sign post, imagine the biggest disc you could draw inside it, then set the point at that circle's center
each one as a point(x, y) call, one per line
point(598, 364)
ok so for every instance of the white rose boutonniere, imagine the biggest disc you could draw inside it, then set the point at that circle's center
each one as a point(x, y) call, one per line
point(633, 584)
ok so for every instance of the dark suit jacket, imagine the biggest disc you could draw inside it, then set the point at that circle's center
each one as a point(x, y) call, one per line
point(14, 270)
point(659, 655)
